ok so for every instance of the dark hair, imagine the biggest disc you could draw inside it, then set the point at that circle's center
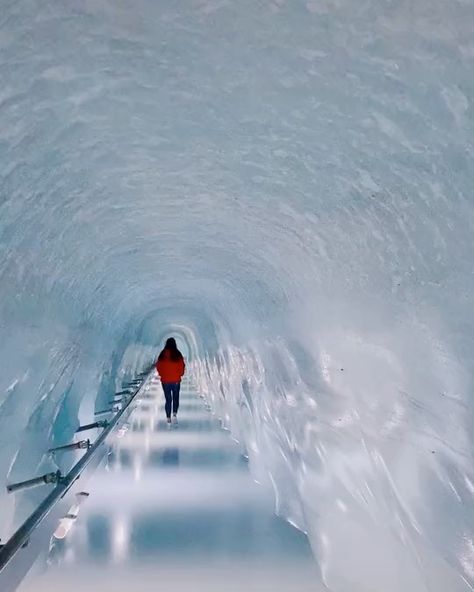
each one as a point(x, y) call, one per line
point(173, 350)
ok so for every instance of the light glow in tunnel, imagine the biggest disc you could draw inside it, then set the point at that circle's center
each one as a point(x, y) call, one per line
point(286, 187)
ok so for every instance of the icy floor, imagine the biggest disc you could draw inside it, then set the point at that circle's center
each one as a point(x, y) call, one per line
point(176, 507)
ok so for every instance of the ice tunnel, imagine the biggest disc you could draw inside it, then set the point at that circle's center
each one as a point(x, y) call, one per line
point(286, 187)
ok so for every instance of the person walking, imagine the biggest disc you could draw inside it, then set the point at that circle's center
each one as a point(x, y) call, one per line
point(171, 367)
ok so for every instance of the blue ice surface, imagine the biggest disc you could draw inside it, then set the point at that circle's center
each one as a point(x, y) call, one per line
point(209, 522)
point(287, 188)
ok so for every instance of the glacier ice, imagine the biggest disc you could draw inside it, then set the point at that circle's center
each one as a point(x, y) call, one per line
point(286, 186)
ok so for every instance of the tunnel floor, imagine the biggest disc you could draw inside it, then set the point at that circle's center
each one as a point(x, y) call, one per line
point(175, 508)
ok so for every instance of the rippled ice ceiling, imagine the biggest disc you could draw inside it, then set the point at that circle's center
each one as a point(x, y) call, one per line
point(288, 187)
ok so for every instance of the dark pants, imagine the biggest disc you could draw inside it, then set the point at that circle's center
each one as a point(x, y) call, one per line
point(171, 390)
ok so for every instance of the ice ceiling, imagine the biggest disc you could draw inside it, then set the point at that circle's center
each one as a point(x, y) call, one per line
point(287, 186)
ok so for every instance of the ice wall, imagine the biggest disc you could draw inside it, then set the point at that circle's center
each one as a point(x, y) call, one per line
point(287, 186)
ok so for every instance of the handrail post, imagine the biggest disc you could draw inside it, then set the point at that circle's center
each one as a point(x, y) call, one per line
point(35, 482)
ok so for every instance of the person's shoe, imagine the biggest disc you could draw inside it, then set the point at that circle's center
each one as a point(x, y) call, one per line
point(175, 419)
point(168, 420)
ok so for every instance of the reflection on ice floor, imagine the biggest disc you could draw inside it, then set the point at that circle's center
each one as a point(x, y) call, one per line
point(176, 507)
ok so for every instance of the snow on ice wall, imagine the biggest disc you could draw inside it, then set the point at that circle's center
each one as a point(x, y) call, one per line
point(286, 185)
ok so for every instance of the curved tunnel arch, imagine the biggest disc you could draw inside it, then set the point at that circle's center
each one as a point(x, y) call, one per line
point(285, 186)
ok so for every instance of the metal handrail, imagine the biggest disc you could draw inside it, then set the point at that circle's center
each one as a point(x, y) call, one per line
point(20, 538)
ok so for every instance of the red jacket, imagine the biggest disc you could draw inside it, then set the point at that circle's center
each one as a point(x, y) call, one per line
point(169, 370)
